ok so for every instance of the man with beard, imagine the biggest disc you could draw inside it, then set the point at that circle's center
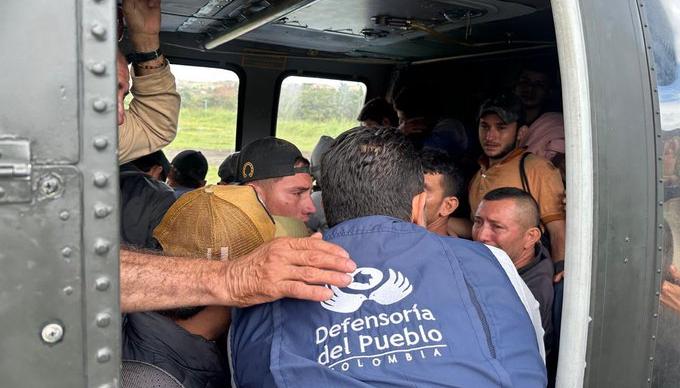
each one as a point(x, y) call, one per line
point(506, 165)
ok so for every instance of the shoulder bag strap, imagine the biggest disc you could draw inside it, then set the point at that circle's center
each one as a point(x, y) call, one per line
point(523, 173)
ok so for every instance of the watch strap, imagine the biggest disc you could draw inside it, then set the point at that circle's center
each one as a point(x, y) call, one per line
point(143, 57)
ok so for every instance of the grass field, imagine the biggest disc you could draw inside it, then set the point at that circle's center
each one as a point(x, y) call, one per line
point(305, 134)
point(213, 131)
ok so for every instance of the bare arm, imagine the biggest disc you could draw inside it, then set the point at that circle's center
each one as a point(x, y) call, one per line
point(143, 18)
point(557, 230)
point(285, 267)
point(670, 291)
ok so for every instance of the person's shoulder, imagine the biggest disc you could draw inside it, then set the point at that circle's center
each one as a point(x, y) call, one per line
point(555, 118)
point(542, 272)
point(546, 265)
point(158, 193)
point(130, 173)
point(454, 240)
point(539, 163)
point(463, 246)
point(248, 320)
point(540, 281)
point(371, 225)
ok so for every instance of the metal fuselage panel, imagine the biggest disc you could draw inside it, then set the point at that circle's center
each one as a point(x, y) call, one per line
point(59, 254)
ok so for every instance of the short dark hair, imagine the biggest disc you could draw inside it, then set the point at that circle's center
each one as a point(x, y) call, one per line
point(378, 109)
point(184, 180)
point(439, 162)
point(412, 102)
point(147, 162)
point(189, 168)
point(369, 172)
point(301, 161)
point(524, 200)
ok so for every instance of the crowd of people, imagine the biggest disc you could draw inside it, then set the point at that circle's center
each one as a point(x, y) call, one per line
point(384, 260)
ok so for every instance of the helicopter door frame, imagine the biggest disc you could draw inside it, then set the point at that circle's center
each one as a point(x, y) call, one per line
point(613, 243)
point(59, 288)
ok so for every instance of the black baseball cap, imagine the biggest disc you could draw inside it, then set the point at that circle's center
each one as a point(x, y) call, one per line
point(228, 170)
point(191, 164)
point(267, 158)
point(506, 105)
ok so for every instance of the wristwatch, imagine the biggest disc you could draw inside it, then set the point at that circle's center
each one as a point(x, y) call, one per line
point(135, 58)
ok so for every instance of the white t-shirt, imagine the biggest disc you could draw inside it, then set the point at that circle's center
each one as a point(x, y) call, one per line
point(525, 295)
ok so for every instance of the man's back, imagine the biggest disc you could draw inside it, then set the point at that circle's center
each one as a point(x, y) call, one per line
point(143, 203)
point(422, 310)
point(153, 338)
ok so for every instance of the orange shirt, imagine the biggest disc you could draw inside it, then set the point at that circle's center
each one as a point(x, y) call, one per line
point(545, 183)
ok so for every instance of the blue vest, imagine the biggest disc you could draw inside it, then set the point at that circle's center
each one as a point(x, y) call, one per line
point(422, 311)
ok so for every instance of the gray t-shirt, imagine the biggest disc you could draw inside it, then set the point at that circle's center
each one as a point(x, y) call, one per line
point(538, 276)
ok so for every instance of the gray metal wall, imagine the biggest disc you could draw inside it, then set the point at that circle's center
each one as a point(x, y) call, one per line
point(58, 195)
point(627, 211)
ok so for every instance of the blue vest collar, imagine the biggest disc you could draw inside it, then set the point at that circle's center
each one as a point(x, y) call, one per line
point(369, 224)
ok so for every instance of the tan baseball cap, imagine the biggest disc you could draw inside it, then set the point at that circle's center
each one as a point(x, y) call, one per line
point(216, 222)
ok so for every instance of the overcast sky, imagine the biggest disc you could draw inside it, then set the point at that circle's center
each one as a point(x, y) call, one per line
point(202, 74)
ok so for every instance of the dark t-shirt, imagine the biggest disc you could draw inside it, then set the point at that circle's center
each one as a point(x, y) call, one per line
point(191, 359)
point(143, 203)
point(538, 275)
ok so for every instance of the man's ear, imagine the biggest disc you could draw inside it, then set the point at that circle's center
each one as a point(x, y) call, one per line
point(155, 172)
point(531, 237)
point(418, 209)
point(448, 206)
point(522, 132)
point(259, 192)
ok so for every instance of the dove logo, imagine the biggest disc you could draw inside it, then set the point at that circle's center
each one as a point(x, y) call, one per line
point(365, 278)
point(396, 288)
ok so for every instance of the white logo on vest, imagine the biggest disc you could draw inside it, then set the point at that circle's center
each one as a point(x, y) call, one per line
point(396, 288)
point(377, 340)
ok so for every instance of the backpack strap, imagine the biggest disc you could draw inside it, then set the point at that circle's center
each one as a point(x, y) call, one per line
point(545, 236)
point(523, 173)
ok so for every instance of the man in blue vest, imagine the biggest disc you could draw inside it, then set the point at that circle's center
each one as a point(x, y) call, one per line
point(422, 309)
